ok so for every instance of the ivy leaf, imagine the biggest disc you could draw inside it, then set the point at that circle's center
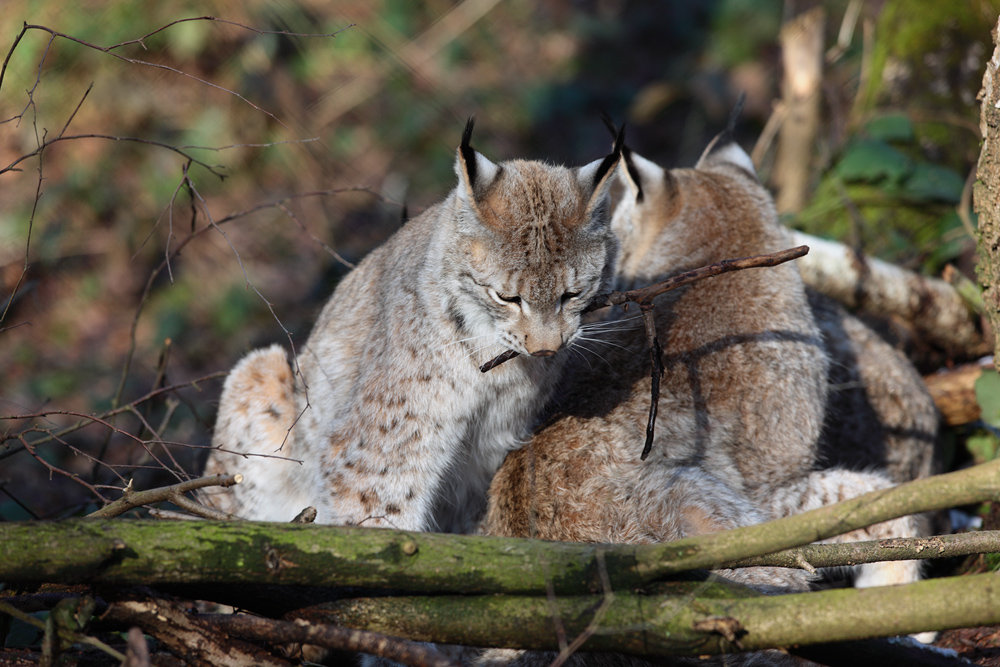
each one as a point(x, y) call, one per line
point(873, 160)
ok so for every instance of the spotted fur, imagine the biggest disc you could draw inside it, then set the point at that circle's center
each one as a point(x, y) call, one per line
point(394, 422)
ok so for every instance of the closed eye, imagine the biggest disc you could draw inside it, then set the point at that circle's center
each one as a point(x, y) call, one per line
point(569, 295)
point(503, 298)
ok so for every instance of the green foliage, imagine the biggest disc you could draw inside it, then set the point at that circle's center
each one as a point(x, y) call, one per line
point(984, 444)
point(884, 189)
point(988, 396)
point(871, 161)
point(742, 28)
point(891, 127)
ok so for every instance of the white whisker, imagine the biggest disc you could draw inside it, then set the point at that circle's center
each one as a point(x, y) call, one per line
point(591, 352)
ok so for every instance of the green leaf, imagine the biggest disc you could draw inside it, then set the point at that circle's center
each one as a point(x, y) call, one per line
point(982, 446)
point(988, 396)
point(894, 127)
point(873, 160)
point(932, 182)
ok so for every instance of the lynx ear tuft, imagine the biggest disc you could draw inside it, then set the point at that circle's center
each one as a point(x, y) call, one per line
point(594, 177)
point(633, 179)
point(475, 172)
point(723, 149)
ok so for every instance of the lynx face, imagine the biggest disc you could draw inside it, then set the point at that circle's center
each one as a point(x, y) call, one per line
point(535, 246)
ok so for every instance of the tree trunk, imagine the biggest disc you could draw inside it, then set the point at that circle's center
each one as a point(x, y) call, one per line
point(986, 192)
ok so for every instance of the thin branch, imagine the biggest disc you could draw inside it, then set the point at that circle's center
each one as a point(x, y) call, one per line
point(329, 636)
point(109, 50)
point(877, 551)
point(110, 137)
point(64, 633)
point(131, 499)
point(644, 297)
point(87, 420)
point(200, 644)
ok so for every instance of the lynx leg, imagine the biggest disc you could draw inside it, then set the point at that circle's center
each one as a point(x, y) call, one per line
point(252, 437)
point(826, 487)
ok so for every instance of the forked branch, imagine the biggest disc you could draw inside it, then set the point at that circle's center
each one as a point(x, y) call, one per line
point(643, 296)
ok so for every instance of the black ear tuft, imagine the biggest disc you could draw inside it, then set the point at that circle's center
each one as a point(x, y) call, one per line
point(608, 123)
point(468, 154)
point(728, 136)
point(611, 159)
point(737, 111)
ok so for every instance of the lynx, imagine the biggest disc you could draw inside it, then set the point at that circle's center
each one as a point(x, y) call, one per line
point(390, 414)
point(746, 399)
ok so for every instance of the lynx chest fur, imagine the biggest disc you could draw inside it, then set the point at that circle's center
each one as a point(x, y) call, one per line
point(394, 422)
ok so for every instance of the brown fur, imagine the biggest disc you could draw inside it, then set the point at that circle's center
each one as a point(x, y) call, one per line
point(743, 399)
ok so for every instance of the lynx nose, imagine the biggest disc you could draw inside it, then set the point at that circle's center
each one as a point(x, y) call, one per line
point(543, 353)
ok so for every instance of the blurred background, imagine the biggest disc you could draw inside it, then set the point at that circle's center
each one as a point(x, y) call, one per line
point(267, 153)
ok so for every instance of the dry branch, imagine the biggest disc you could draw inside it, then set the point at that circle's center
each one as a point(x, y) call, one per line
point(255, 628)
point(932, 306)
point(175, 494)
point(198, 643)
point(644, 296)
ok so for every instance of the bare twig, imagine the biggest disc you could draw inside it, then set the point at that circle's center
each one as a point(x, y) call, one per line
point(175, 493)
point(301, 631)
point(644, 297)
point(877, 551)
point(199, 643)
point(599, 614)
point(109, 50)
point(63, 632)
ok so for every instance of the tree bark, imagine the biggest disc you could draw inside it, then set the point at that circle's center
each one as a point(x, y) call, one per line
point(986, 191)
point(802, 57)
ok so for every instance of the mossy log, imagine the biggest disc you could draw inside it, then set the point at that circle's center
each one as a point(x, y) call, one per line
point(202, 552)
point(696, 623)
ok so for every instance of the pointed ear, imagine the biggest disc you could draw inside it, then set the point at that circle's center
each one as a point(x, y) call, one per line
point(724, 151)
point(595, 178)
point(475, 172)
point(640, 172)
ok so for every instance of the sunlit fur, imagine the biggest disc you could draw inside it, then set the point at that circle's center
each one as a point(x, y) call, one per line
point(394, 422)
point(744, 402)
